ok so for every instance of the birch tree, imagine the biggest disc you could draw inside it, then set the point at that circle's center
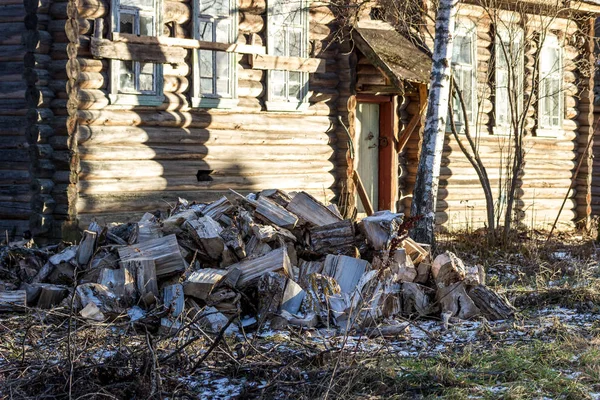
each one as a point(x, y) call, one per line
point(428, 172)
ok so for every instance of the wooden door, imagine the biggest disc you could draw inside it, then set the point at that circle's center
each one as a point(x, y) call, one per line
point(366, 159)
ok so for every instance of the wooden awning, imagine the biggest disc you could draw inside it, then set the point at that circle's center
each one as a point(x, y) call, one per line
point(397, 57)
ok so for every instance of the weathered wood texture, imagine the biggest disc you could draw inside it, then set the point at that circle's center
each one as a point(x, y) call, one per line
point(549, 161)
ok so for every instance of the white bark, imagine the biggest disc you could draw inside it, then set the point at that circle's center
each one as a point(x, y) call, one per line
point(428, 172)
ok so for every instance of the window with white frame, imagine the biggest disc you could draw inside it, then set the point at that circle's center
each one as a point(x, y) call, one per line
point(215, 71)
point(464, 67)
point(509, 76)
point(550, 106)
point(135, 81)
point(287, 37)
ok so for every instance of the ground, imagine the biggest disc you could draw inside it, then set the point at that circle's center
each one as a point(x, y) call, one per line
point(551, 350)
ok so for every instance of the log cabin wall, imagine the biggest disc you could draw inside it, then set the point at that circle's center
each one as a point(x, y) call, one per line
point(15, 174)
point(123, 160)
point(549, 161)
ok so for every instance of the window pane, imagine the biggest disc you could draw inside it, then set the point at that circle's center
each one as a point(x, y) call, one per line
point(295, 46)
point(206, 85)
point(126, 23)
point(222, 64)
point(223, 31)
point(461, 51)
point(206, 63)
point(278, 39)
point(138, 3)
point(206, 31)
point(277, 83)
point(214, 7)
point(223, 87)
point(146, 25)
point(126, 76)
point(295, 79)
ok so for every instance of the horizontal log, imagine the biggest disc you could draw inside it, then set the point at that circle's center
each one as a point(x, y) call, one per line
point(288, 63)
point(12, 13)
point(133, 169)
point(87, 9)
point(90, 136)
point(188, 43)
point(254, 6)
point(210, 119)
point(283, 181)
point(176, 12)
point(199, 152)
point(125, 51)
point(250, 23)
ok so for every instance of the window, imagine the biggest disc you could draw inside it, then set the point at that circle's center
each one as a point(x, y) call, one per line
point(215, 71)
point(135, 82)
point(464, 68)
point(509, 77)
point(550, 89)
point(287, 37)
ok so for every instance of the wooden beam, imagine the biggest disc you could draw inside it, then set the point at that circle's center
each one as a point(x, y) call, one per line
point(414, 121)
point(362, 193)
point(103, 48)
point(188, 43)
point(288, 63)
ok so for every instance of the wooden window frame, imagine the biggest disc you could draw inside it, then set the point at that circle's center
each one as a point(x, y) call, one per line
point(510, 35)
point(213, 100)
point(287, 105)
point(550, 130)
point(144, 98)
point(466, 27)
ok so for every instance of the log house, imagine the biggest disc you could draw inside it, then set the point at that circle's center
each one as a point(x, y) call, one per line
point(124, 106)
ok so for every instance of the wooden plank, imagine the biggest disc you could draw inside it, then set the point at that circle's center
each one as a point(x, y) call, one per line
point(250, 270)
point(164, 251)
point(189, 43)
point(301, 64)
point(104, 48)
point(362, 193)
point(310, 210)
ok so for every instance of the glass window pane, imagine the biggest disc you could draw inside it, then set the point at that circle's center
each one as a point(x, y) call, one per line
point(223, 31)
point(278, 40)
point(147, 82)
point(206, 31)
point(295, 45)
point(461, 51)
point(222, 60)
point(214, 7)
point(126, 76)
point(277, 83)
point(206, 86)
point(206, 63)
point(126, 23)
point(146, 25)
point(223, 87)
point(147, 4)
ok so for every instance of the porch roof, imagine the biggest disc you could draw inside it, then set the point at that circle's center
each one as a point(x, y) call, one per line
point(397, 57)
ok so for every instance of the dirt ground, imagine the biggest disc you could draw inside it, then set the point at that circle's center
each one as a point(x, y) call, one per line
point(551, 350)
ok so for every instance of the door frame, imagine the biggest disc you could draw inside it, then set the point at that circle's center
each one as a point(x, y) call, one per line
point(388, 157)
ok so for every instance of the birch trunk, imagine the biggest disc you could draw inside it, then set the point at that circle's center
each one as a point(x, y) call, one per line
point(428, 172)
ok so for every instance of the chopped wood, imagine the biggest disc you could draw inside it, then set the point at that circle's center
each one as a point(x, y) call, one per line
point(13, 301)
point(50, 295)
point(416, 298)
point(121, 282)
point(334, 209)
point(176, 220)
point(250, 271)
point(447, 269)
point(206, 231)
point(173, 300)
point(65, 256)
point(233, 239)
point(86, 248)
point(201, 283)
point(164, 251)
point(268, 233)
point(492, 305)
point(91, 311)
point(308, 209)
point(380, 227)
point(272, 212)
point(293, 296)
point(148, 228)
point(144, 270)
point(474, 275)
point(415, 250)
point(217, 208)
point(62, 274)
point(212, 320)
point(310, 320)
point(278, 196)
point(391, 330)
point(454, 300)
point(332, 238)
point(347, 271)
point(423, 272)
point(306, 268)
point(98, 294)
point(256, 248)
point(402, 266)
point(271, 287)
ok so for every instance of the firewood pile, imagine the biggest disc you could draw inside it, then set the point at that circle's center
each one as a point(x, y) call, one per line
point(276, 257)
